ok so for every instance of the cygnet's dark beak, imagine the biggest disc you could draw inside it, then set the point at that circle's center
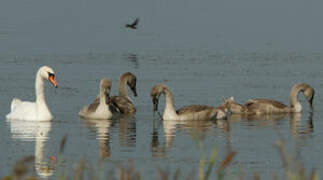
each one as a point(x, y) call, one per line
point(155, 103)
point(134, 91)
point(311, 104)
point(107, 94)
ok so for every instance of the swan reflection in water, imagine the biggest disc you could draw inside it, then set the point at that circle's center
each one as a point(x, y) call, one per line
point(127, 132)
point(297, 128)
point(101, 127)
point(198, 129)
point(37, 131)
point(296, 125)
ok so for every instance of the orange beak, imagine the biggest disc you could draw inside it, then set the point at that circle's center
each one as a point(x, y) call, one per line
point(52, 80)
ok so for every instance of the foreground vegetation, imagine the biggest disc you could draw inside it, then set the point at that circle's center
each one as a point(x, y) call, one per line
point(24, 168)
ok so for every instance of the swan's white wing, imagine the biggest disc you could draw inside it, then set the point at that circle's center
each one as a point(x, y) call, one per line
point(14, 103)
point(23, 110)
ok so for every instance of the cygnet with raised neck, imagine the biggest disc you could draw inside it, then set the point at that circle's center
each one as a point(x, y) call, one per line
point(38, 110)
point(268, 106)
point(123, 102)
point(193, 112)
point(99, 109)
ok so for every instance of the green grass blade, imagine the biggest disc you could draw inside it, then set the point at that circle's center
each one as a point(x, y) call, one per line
point(211, 164)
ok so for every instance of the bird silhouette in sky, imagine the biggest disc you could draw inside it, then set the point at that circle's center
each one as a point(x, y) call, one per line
point(133, 25)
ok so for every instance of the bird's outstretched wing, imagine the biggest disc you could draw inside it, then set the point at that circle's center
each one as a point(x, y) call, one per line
point(135, 22)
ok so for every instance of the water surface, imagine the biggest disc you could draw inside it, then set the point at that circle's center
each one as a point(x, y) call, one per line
point(195, 77)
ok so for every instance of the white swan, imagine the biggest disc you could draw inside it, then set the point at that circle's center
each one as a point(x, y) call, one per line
point(34, 111)
point(99, 109)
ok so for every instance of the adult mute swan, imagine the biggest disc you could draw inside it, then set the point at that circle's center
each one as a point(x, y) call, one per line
point(34, 111)
point(99, 109)
point(268, 106)
point(193, 112)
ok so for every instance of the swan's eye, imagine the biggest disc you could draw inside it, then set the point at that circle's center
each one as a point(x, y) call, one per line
point(50, 74)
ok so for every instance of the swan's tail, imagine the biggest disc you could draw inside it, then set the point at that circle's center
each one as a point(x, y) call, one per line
point(14, 103)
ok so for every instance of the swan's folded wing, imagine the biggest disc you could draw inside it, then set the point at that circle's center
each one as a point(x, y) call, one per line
point(265, 106)
point(273, 103)
point(88, 109)
point(112, 106)
point(92, 107)
point(193, 109)
point(14, 103)
point(122, 104)
point(23, 110)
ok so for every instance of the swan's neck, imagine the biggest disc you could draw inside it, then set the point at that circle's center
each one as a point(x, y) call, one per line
point(169, 129)
point(39, 86)
point(40, 96)
point(123, 87)
point(103, 96)
point(295, 105)
point(169, 112)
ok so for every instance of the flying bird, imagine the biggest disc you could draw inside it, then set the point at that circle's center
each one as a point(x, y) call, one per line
point(133, 25)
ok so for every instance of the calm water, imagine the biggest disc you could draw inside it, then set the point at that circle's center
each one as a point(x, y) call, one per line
point(202, 50)
point(195, 77)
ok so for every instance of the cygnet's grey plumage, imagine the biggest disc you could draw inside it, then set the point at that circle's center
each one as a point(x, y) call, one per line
point(193, 112)
point(268, 106)
point(99, 109)
point(123, 101)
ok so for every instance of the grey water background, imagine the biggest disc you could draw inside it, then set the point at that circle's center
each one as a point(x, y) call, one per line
point(202, 50)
